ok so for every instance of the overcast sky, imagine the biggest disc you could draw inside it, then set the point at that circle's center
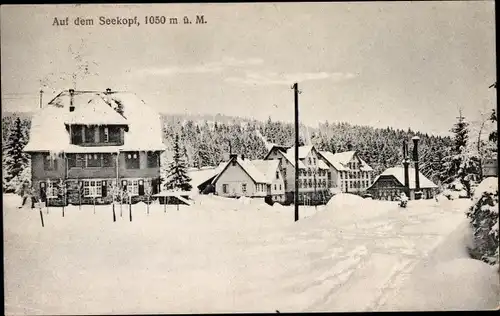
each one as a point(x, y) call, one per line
point(399, 64)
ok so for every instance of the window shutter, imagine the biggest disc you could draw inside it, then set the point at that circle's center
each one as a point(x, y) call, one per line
point(101, 134)
point(154, 186)
point(141, 187)
point(104, 188)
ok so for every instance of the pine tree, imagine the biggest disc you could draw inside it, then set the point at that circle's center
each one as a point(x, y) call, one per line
point(15, 160)
point(177, 177)
point(461, 164)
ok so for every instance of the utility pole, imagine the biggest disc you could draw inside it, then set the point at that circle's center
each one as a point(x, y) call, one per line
point(41, 93)
point(295, 87)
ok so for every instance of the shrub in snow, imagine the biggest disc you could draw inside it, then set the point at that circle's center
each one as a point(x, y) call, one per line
point(483, 215)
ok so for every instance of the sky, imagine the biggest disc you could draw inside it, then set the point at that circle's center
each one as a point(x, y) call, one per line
point(399, 64)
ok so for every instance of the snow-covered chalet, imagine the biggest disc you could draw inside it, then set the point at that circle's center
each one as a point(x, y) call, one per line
point(97, 143)
point(251, 178)
point(390, 184)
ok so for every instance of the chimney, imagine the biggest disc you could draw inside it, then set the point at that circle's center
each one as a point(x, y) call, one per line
point(417, 174)
point(406, 171)
point(71, 95)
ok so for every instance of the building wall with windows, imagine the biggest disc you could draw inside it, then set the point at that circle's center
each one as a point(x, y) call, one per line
point(286, 168)
point(235, 182)
point(313, 180)
point(354, 179)
point(91, 173)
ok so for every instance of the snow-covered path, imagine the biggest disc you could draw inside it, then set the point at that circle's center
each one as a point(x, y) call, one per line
point(217, 256)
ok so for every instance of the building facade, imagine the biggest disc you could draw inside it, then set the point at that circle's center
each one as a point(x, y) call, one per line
point(251, 178)
point(313, 184)
point(390, 184)
point(349, 172)
point(95, 147)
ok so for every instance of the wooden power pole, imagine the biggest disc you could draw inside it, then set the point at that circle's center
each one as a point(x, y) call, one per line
point(296, 193)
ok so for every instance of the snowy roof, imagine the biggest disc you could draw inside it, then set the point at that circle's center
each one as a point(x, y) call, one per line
point(267, 168)
point(340, 160)
point(198, 176)
point(95, 112)
point(261, 171)
point(48, 132)
point(290, 156)
point(398, 173)
point(303, 151)
point(322, 165)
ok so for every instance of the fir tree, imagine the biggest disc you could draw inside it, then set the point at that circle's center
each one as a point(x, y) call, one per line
point(460, 164)
point(177, 177)
point(15, 160)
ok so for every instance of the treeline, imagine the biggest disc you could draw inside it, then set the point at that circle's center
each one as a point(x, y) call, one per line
point(206, 142)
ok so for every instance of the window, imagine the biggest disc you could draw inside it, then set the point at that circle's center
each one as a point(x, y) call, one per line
point(277, 174)
point(132, 160)
point(114, 134)
point(50, 163)
point(71, 160)
point(94, 160)
point(244, 187)
point(107, 160)
point(275, 187)
point(133, 187)
point(280, 187)
point(224, 188)
point(314, 160)
point(152, 158)
point(106, 135)
point(309, 160)
point(51, 190)
point(330, 175)
point(309, 172)
point(350, 184)
point(284, 172)
point(76, 134)
point(92, 188)
point(310, 183)
point(89, 134)
point(280, 160)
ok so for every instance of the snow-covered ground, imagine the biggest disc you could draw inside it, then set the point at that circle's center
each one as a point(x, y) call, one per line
point(224, 255)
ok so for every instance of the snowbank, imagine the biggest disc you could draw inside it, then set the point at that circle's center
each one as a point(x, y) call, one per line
point(344, 199)
point(449, 280)
point(488, 185)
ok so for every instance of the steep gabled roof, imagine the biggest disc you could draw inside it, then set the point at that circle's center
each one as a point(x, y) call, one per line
point(340, 160)
point(95, 112)
point(398, 173)
point(260, 171)
point(303, 151)
point(48, 132)
point(267, 168)
point(272, 146)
